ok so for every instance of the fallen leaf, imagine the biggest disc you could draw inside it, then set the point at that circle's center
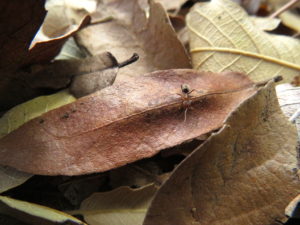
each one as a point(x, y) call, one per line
point(172, 5)
point(244, 174)
point(15, 52)
point(265, 23)
point(123, 205)
point(27, 111)
point(130, 30)
point(63, 16)
point(292, 210)
point(10, 178)
point(44, 51)
point(91, 134)
point(252, 6)
point(222, 37)
point(35, 214)
point(289, 18)
point(288, 97)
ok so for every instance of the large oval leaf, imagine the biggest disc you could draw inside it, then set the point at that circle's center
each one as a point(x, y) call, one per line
point(124, 123)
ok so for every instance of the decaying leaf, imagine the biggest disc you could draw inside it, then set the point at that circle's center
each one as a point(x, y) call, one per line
point(244, 174)
point(91, 134)
point(123, 205)
point(222, 37)
point(130, 30)
point(10, 178)
point(35, 214)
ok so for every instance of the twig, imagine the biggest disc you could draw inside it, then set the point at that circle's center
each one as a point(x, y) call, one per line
point(285, 7)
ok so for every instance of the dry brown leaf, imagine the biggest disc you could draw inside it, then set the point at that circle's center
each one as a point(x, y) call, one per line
point(131, 31)
point(91, 134)
point(223, 38)
point(244, 174)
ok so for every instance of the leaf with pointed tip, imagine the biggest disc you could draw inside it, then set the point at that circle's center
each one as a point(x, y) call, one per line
point(91, 134)
point(35, 214)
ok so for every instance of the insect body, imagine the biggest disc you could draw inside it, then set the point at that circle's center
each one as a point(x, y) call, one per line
point(186, 98)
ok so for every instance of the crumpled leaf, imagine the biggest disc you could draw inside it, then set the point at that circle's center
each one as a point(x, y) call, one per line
point(91, 134)
point(10, 178)
point(244, 174)
point(130, 31)
point(222, 37)
point(35, 214)
point(123, 205)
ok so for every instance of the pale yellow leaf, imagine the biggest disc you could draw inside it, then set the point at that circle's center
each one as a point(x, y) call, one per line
point(222, 37)
point(29, 110)
point(123, 205)
point(35, 214)
point(10, 178)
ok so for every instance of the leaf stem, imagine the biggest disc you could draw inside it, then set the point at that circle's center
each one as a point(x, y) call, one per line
point(284, 8)
point(249, 54)
point(132, 59)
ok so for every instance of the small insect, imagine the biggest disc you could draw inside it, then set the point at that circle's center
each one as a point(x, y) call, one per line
point(186, 98)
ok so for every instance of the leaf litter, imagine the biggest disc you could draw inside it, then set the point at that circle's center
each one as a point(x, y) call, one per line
point(152, 36)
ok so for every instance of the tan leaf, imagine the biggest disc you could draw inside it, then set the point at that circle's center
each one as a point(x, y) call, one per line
point(92, 133)
point(10, 178)
point(123, 205)
point(244, 174)
point(222, 37)
point(35, 214)
point(131, 31)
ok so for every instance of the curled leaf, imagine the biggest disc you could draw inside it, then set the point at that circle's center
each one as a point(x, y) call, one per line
point(35, 214)
point(222, 37)
point(92, 133)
